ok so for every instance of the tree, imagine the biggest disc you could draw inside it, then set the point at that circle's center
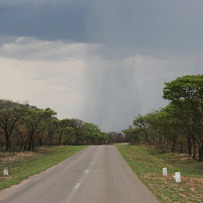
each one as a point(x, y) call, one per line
point(90, 131)
point(69, 132)
point(157, 128)
point(186, 94)
point(62, 129)
point(34, 121)
point(8, 121)
point(78, 126)
point(141, 123)
point(182, 125)
point(115, 137)
point(52, 128)
point(93, 135)
point(132, 135)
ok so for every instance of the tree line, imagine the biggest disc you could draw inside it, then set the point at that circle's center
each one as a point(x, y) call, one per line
point(25, 127)
point(179, 125)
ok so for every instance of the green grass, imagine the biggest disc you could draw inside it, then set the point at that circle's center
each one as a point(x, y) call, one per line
point(148, 164)
point(28, 164)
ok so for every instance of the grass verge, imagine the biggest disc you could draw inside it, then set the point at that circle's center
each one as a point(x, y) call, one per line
point(148, 164)
point(24, 164)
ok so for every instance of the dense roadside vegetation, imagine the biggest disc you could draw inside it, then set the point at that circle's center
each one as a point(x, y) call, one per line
point(24, 127)
point(148, 163)
point(178, 127)
point(25, 164)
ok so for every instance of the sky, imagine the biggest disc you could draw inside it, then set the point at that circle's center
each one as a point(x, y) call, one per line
point(104, 62)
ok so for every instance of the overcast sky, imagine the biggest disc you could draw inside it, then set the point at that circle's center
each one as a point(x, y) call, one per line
point(103, 61)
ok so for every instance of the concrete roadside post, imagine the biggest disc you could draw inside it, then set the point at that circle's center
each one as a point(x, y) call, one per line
point(177, 177)
point(5, 171)
point(164, 171)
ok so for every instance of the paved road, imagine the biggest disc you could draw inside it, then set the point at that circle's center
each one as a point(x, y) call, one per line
point(97, 174)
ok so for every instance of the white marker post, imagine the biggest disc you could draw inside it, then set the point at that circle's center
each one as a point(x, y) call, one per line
point(5, 172)
point(164, 171)
point(177, 177)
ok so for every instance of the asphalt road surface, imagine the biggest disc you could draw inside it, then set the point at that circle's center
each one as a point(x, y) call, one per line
point(97, 174)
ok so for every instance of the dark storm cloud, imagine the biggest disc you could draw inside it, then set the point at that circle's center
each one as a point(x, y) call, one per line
point(47, 21)
point(133, 25)
point(148, 26)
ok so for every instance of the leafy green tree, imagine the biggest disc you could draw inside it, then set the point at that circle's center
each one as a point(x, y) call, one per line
point(186, 94)
point(9, 118)
point(90, 131)
point(133, 135)
point(78, 126)
point(34, 122)
point(61, 132)
point(115, 137)
point(51, 129)
point(142, 123)
point(164, 129)
point(93, 135)
point(102, 138)
point(182, 126)
point(69, 132)
point(157, 128)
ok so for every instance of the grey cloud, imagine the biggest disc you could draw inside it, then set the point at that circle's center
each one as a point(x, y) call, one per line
point(148, 26)
point(132, 26)
point(47, 21)
point(27, 48)
point(37, 3)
